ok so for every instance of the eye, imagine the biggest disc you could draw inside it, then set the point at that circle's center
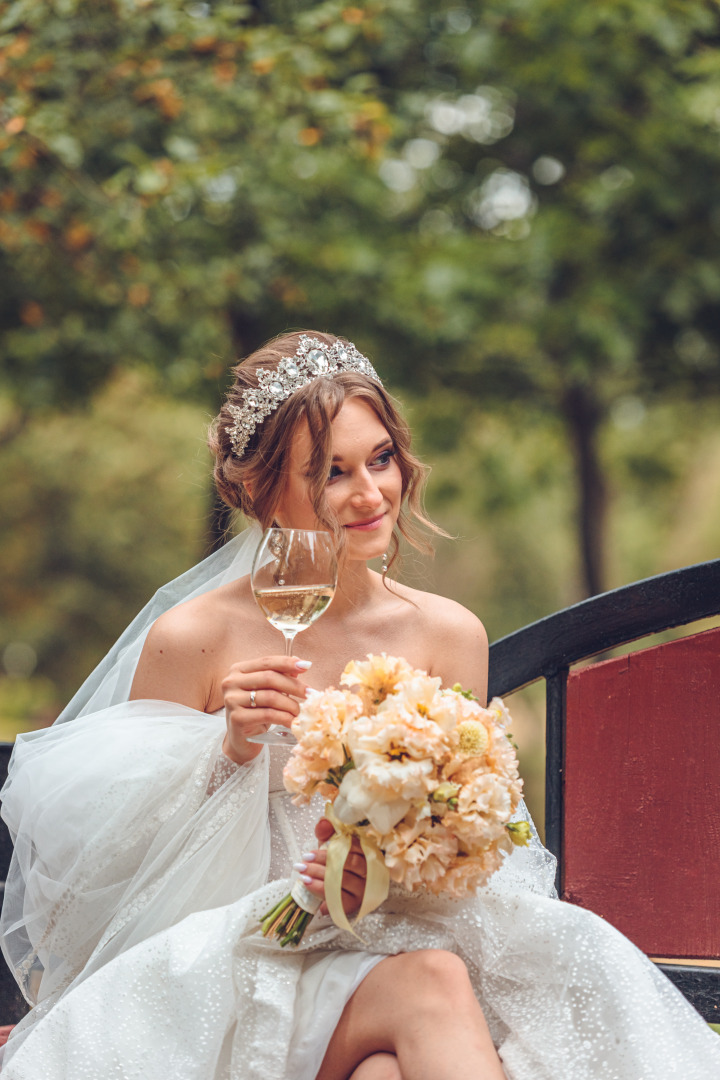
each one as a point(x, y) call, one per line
point(334, 472)
point(385, 456)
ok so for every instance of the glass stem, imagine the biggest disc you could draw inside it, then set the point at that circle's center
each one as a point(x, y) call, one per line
point(289, 638)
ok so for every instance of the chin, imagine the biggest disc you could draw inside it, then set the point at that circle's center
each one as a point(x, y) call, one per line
point(372, 548)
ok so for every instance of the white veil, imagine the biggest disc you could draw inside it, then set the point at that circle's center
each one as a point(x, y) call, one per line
point(121, 820)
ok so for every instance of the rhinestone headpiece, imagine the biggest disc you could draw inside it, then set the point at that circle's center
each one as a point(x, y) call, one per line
point(312, 360)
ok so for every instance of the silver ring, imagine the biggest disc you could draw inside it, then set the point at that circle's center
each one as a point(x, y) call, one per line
point(253, 703)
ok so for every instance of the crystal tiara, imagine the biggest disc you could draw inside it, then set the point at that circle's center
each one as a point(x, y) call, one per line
point(312, 360)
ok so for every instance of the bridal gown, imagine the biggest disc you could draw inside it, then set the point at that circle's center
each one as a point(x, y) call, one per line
point(147, 859)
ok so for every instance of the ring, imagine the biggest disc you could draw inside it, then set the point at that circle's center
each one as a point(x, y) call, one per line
point(253, 703)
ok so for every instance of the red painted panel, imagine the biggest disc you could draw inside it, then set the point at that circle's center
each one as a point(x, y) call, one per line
point(642, 795)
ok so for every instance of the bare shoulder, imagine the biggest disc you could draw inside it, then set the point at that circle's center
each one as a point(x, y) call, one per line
point(179, 657)
point(182, 627)
point(443, 614)
point(453, 638)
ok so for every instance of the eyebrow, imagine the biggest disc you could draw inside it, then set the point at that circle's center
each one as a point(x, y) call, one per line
point(384, 442)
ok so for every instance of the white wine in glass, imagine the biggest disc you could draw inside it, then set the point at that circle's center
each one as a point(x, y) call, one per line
point(293, 579)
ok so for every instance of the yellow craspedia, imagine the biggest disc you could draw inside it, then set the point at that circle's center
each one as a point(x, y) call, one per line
point(472, 738)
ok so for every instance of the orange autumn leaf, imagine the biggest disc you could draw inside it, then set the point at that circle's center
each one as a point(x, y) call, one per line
point(224, 72)
point(309, 136)
point(18, 47)
point(138, 294)
point(165, 94)
point(32, 314)
point(77, 236)
point(264, 65)
point(39, 230)
point(152, 67)
point(15, 125)
point(204, 44)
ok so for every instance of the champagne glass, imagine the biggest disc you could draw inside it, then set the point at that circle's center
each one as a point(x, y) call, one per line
point(293, 579)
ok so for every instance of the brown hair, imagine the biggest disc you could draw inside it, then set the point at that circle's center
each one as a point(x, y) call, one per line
point(262, 468)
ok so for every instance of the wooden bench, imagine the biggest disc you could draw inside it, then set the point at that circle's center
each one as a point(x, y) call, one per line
point(632, 808)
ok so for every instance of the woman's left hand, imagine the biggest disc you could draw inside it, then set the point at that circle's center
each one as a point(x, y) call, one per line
point(354, 874)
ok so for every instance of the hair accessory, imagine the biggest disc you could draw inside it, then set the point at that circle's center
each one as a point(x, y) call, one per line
point(312, 360)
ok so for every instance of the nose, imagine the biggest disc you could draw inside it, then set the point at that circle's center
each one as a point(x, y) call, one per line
point(366, 492)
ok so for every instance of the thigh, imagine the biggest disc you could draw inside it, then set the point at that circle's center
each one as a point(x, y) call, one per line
point(394, 996)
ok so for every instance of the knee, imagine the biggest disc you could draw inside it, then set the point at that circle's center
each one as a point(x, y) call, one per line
point(439, 978)
point(378, 1067)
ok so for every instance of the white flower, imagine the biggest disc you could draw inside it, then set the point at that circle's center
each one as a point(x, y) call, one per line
point(357, 801)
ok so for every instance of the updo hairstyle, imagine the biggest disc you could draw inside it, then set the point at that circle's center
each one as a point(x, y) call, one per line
point(263, 467)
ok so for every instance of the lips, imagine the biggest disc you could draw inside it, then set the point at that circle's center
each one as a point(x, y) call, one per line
point(368, 523)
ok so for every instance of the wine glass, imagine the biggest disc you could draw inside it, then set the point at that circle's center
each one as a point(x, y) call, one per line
point(293, 578)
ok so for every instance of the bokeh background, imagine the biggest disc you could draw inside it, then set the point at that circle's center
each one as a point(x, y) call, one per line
point(511, 206)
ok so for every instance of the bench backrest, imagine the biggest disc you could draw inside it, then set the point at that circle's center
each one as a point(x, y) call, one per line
point(632, 810)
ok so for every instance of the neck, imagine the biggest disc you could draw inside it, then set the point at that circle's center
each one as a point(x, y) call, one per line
point(355, 584)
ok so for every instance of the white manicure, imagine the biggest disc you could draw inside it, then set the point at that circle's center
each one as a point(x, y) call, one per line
point(303, 664)
point(299, 866)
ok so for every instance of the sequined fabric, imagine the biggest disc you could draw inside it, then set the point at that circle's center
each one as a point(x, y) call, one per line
point(137, 934)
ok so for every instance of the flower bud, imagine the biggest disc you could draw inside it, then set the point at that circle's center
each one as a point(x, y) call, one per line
point(519, 832)
point(445, 792)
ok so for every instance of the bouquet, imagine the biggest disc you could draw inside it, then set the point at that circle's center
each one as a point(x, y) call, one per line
point(425, 777)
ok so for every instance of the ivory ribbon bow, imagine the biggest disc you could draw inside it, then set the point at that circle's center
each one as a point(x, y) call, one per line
point(377, 882)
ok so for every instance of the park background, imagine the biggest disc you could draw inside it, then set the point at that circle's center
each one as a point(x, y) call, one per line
point(512, 207)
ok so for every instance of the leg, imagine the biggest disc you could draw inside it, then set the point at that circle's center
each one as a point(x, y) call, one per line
point(421, 1007)
point(378, 1067)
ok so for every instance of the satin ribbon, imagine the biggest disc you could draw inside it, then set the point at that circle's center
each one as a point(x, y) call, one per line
point(377, 882)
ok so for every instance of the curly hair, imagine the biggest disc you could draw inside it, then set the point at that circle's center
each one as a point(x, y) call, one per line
point(263, 468)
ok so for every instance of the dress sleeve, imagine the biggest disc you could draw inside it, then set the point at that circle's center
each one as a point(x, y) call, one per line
point(124, 822)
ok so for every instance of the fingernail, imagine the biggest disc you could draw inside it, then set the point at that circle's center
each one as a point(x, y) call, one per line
point(299, 866)
point(308, 856)
point(303, 665)
point(306, 878)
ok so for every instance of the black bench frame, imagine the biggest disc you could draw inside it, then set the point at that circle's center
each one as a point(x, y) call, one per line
point(545, 650)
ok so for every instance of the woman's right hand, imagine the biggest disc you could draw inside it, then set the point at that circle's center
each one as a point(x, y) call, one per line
point(275, 683)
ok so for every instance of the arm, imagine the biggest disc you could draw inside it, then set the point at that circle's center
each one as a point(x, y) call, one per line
point(175, 664)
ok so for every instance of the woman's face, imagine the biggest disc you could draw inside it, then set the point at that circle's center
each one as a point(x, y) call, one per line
point(364, 488)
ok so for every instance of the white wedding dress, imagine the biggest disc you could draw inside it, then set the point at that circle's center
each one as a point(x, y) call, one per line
point(144, 859)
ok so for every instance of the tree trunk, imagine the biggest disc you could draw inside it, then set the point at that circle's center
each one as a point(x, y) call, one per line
point(583, 414)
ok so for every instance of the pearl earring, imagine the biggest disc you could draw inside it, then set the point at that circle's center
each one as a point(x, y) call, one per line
point(385, 563)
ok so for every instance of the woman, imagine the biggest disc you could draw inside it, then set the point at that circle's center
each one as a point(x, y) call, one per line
point(133, 924)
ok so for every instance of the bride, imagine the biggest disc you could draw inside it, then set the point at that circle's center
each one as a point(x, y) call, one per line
point(151, 834)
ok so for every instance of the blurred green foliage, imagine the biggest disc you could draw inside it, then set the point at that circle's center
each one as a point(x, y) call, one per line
point(512, 203)
point(99, 508)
